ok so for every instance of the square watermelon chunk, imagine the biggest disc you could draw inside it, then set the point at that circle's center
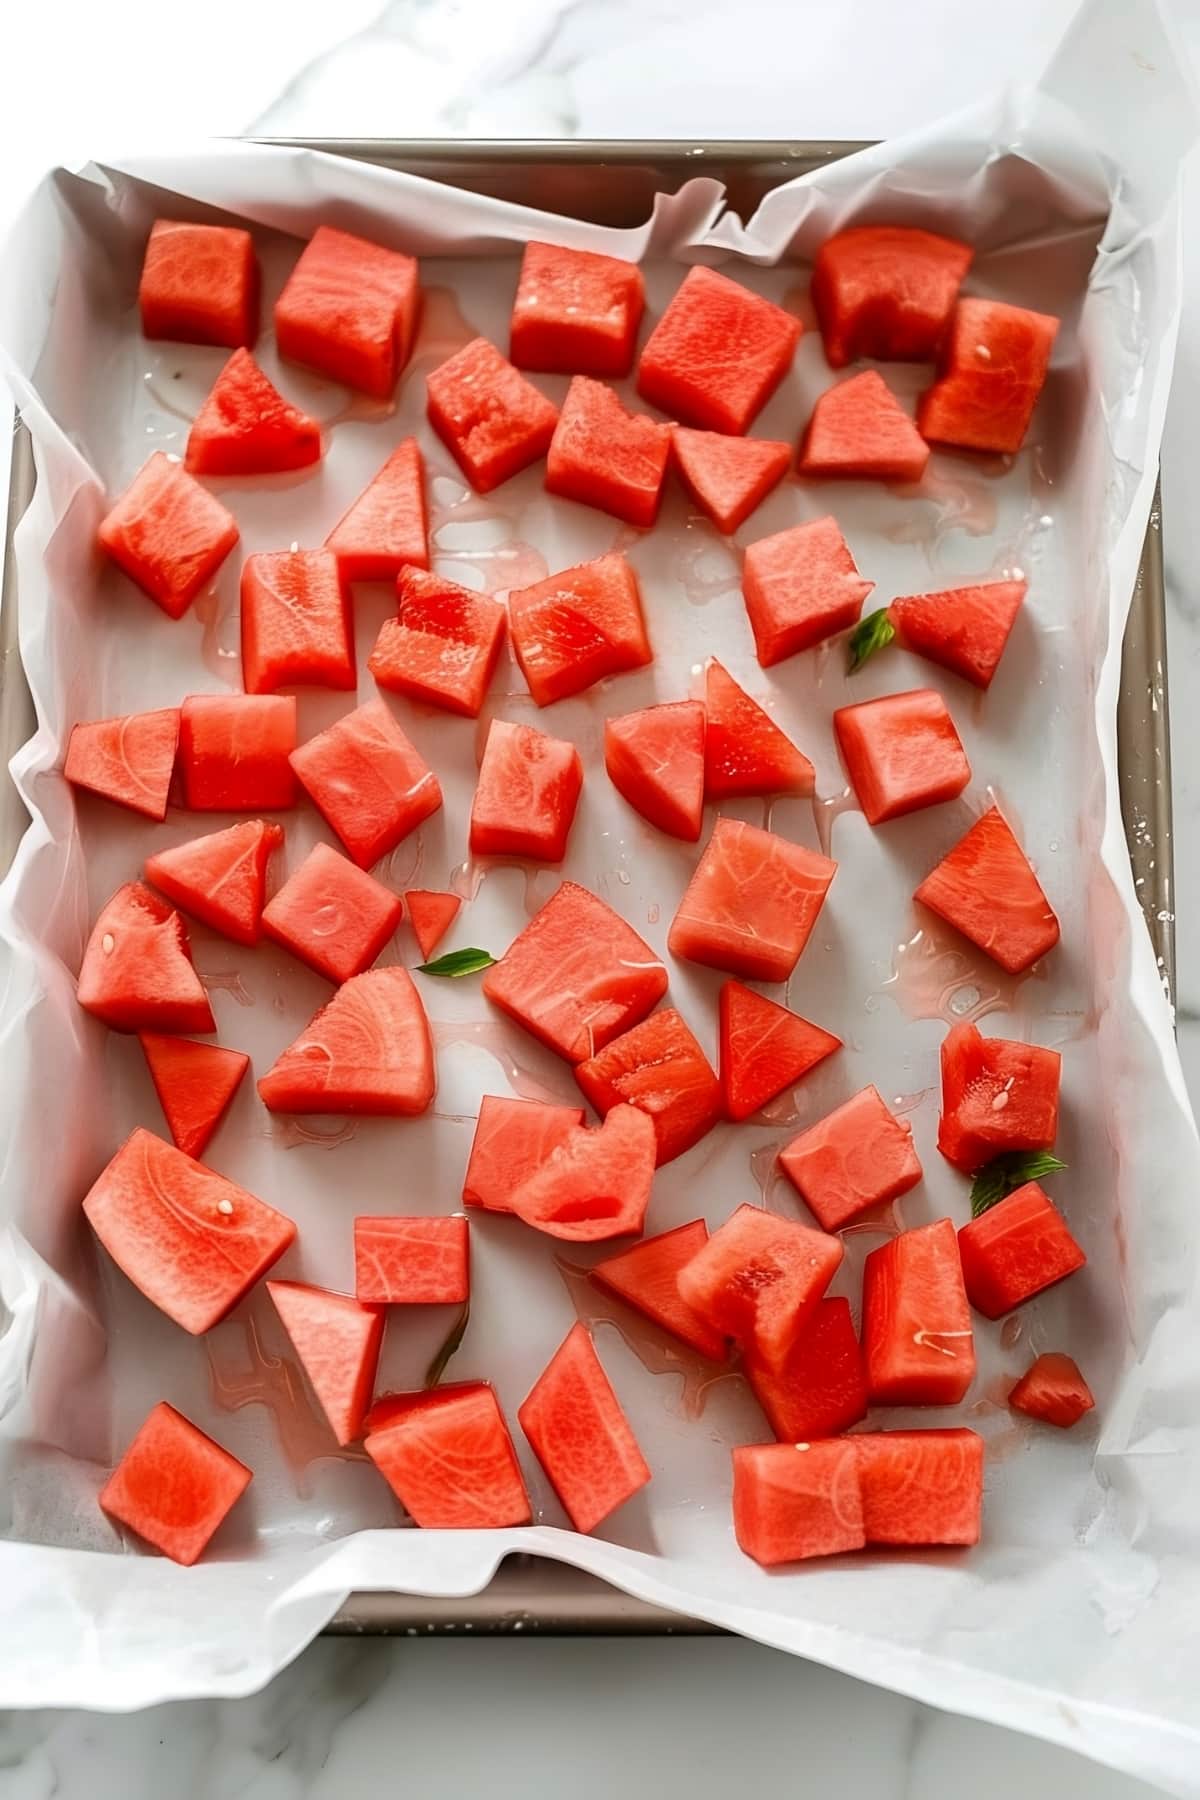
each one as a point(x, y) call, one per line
point(659, 1067)
point(575, 312)
point(493, 422)
point(174, 1486)
point(717, 354)
point(800, 585)
point(920, 1487)
point(168, 534)
point(442, 647)
point(752, 902)
point(573, 629)
point(858, 1157)
point(412, 1261)
point(992, 369)
point(333, 916)
point(447, 1456)
point(916, 1323)
point(199, 284)
point(528, 790)
point(901, 752)
point(792, 1501)
point(758, 1280)
point(513, 1139)
point(1016, 1249)
point(369, 782)
point(998, 1096)
point(297, 627)
point(604, 456)
point(349, 310)
point(821, 1389)
point(986, 888)
point(234, 751)
point(886, 291)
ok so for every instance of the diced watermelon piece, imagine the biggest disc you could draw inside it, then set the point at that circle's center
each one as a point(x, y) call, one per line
point(991, 370)
point(513, 1139)
point(886, 291)
point(997, 1096)
point(577, 976)
point(575, 312)
point(387, 528)
point(596, 1183)
point(199, 284)
point(575, 628)
point(860, 432)
point(332, 915)
point(529, 786)
point(758, 1280)
point(920, 1487)
point(447, 1456)
point(745, 752)
point(235, 750)
point(580, 1435)
point(349, 310)
point(193, 1242)
point(493, 422)
point(194, 1084)
point(986, 888)
point(605, 456)
point(792, 1501)
point(764, 1049)
point(1053, 1389)
point(368, 781)
point(751, 903)
point(168, 534)
point(717, 354)
point(137, 972)
point(822, 1388)
point(246, 427)
point(800, 586)
point(297, 627)
point(443, 645)
point(963, 629)
point(916, 1323)
point(655, 760)
point(1015, 1250)
point(368, 1050)
point(220, 879)
point(901, 752)
point(337, 1340)
point(660, 1068)
point(728, 477)
point(431, 915)
point(856, 1158)
point(412, 1262)
point(128, 760)
point(646, 1277)
point(174, 1485)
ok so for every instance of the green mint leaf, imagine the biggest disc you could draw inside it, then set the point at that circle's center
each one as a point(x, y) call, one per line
point(458, 962)
point(437, 1367)
point(873, 633)
point(996, 1180)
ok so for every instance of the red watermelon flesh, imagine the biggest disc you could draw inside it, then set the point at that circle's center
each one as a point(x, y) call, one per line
point(412, 1262)
point(886, 291)
point(764, 1049)
point(1016, 1249)
point(751, 903)
point(580, 1435)
point(998, 1096)
point(371, 784)
point(168, 534)
point(337, 1341)
point(604, 456)
point(792, 1501)
point(655, 760)
point(577, 976)
point(596, 1183)
point(901, 752)
point(246, 427)
point(174, 1485)
point(916, 1326)
point(728, 477)
point(575, 312)
point(199, 284)
point(986, 888)
point(822, 1388)
point(513, 1139)
point(991, 370)
point(220, 879)
point(529, 786)
point(493, 422)
point(860, 432)
point(447, 1456)
point(431, 916)
point(193, 1242)
point(137, 972)
point(575, 628)
point(234, 752)
point(920, 1487)
point(332, 915)
point(800, 586)
point(194, 1084)
point(443, 645)
point(858, 1157)
point(660, 1068)
point(745, 752)
point(717, 354)
point(367, 1051)
point(758, 1280)
point(349, 310)
point(297, 628)
point(128, 760)
point(386, 529)
point(1053, 1389)
point(646, 1277)
point(963, 629)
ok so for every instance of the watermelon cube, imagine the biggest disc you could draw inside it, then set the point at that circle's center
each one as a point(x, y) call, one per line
point(800, 586)
point(513, 1138)
point(920, 1487)
point(128, 760)
point(220, 879)
point(1053, 1389)
point(368, 1051)
point(886, 291)
point(333, 916)
point(493, 422)
point(963, 629)
point(765, 1048)
point(168, 534)
point(646, 1277)
point(792, 1501)
point(234, 752)
point(246, 427)
point(986, 888)
point(297, 627)
point(580, 1435)
point(860, 432)
point(199, 284)
point(174, 1486)
point(997, 1097)
point(338, 1343)
point(822, 1388)
point(659, 1067)
point(431, 915)
point(745, 752)
point(605, 456)
point(412, 1262)
point(137, 972)
point(916, 1323)
point(758, 1280)
point(529, 786)
point(901, 752)
point(368, 781)
point(991, 370)
point(728, 477)
point(655, 760)
point(443, 645)
point(1014, 1250)
point(856, 1158)
point(595, 1183)
point(194, 1083)
point(717, 354)
point(575, 312)
point(447, 1456)
point(349, 310)
point(751, 903)
point(574, 628)
point(386, 529)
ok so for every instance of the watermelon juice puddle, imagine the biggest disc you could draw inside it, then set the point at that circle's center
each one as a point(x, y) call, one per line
point(226, 981)
point(491, 1035)
point(218, 659)
point(540, 882)
point(291, 1133)
point(828, 808)
point(705, 565)
point(936, 975)
point(254, 1376)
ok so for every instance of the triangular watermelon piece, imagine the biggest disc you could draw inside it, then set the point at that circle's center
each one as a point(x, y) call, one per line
point(337, 1339)
point(764, 1048)
point(194, 1084)
point(646, 1278)
point(368, 1051)
point(128, 760)
point(137, 972)
point(964, 629)
point(986, 888)
point(859, 430)
point(655, 758)
point(246, 427)
point(431, 915)
point(596, 1184)
point(745, 752)
point(728, 476)
point(386, 528)
point(220, 879)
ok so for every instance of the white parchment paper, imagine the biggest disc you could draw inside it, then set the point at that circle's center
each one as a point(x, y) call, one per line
point(1075, 1619)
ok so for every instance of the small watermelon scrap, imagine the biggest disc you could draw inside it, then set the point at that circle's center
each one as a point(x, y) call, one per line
point(235, 751)
point(745, 752)
point(728, 477)
point(655, 760)
point(367, 1051)
point(604, 456)
point(800, 586)
point(447, 1456)
point(333, 916)
point(575, 312)
point(765, 1048)
point(246, 427)
point(128, 760)
point(991, 370)
point(220, 879)
point(137, 972)
point(174, 1486)
point(1053, 1389)
point(886, 291)
point(717, 354)
point(443, 645)
point(199, 284)
point(297, 628)
point(513, 1139)
point(659, 1067)
point(349, 310)
point(901, 752)
point(916, 1323)
point(412, 1262)
point(594, 1184)
point(986, 888)
point(752, 902)
point(860, 432)
point(580, 1435)
point(168, 534)
point(758, 1280)
point(528, 789)
point(793, 1501)
point(338, 1342)
point(574, 628)
point(1016, 1249)
point(822, 1388)
point(962, 629)
point(646, 1278)
point(194, 1083)
point(192, 1241)
point(493, 422)
point(998, 1096)
point(857, 1158)
point(387, 528)
point(920, 1487)
point(431, 915)
point(371, 785)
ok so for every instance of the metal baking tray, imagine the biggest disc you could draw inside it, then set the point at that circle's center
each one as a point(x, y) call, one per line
point(614, 183)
